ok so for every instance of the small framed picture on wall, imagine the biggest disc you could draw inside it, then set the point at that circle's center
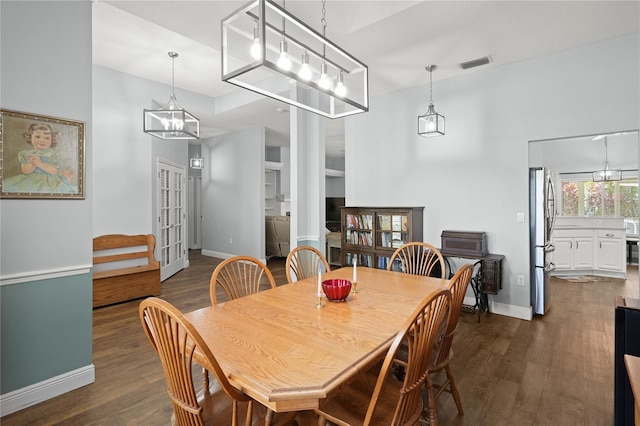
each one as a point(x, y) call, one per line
point(40, 156)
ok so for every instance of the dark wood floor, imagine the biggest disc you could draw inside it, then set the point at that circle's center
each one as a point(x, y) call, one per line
point(553, 370)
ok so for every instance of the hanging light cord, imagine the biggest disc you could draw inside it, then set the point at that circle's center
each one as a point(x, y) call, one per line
point(173, 56)
point(323, 22)
point(431, 84)
point(284, 6)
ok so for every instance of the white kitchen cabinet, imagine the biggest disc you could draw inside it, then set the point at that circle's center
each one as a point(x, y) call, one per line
point(611, 250)
point(589, 246)
point(573, 253)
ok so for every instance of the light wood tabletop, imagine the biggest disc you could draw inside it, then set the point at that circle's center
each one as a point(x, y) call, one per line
point(284, 352)
point(633, 371)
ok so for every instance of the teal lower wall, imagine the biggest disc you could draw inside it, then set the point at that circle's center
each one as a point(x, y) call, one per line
point(45, 329)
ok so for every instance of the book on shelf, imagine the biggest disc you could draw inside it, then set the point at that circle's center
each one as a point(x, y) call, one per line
point(396, 222)
point(383, 262)
point(385, 222)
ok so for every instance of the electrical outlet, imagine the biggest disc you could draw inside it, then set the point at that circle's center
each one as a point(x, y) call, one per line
point(520, 279)
point(230, 240)
point(520, 217)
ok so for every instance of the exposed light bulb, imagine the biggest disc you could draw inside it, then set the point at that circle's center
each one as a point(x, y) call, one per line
point(256, 48)
point(283, 61)
point(305, 69)
point(172, 124)
point(341, 89)
point(431, 124)
point(324, 82)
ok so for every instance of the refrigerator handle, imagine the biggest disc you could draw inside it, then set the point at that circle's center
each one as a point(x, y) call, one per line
point(551, 205)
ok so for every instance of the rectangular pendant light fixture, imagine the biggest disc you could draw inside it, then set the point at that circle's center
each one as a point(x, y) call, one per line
point(171, 121)
point(267, 50)
point(606, 174)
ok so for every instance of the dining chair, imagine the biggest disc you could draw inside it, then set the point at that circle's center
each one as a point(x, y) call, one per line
point(303, 262)
point(377, 399)
point(442, 353)
point(418, 258)
point(240, 276)
point(178, 344)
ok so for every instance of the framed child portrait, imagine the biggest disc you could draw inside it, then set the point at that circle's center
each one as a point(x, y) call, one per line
point(40, 156)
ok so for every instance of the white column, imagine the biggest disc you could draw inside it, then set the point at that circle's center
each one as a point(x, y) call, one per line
point(307, 175)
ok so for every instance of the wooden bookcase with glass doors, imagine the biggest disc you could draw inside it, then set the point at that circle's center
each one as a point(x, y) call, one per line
point(372, 234)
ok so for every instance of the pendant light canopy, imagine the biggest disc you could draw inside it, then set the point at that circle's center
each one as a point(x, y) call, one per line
point(606, 175)
point(171, 121)
point(431, 123)
point(269, 51)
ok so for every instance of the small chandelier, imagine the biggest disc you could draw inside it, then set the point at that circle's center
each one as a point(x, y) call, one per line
point(431, 123)
point(196, 162)
point(606, 175)
point(267, 50)
point(171, 121)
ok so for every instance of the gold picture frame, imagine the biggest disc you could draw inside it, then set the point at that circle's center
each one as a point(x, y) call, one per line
point(41, 156)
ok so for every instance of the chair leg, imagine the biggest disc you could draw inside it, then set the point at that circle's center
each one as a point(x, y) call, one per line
point(454, 390)
point(430, 407)
point(205, 380)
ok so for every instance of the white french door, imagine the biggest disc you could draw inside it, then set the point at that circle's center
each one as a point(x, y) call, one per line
point(195, 212)
point(171, 219)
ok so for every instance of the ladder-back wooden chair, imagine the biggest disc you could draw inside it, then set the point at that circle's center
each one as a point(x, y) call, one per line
point(443, 353)
point(418, 258)
point(240, 276)
point(304, 262)
point(177, 343)
point(381, 399)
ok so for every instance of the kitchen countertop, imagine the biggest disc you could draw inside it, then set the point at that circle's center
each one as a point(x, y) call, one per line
point(571, 222)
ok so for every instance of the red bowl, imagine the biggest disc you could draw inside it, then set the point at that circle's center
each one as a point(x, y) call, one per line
point(336, 289)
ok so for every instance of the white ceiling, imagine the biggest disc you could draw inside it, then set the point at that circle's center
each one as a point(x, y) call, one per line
point(396, 39)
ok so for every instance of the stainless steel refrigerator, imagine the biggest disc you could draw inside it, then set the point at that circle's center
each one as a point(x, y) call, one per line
point(542, 213)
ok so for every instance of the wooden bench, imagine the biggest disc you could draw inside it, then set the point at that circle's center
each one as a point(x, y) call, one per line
point(122, 282)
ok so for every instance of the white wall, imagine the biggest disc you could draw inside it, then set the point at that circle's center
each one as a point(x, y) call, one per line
point(45, 244)
point(61, 240)
point(233, 194)
point(125, 157)
point(476, 176)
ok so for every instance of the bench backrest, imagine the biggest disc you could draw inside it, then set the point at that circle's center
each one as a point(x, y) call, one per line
point(120, 241)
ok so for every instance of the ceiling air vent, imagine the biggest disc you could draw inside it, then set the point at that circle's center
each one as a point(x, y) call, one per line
point(475, 62)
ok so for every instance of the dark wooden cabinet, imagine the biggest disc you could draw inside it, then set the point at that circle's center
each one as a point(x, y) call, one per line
point(627, 330)
point(491, 270)
point(372, 234)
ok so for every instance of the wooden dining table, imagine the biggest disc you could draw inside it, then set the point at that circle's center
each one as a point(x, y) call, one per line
point(279, 348)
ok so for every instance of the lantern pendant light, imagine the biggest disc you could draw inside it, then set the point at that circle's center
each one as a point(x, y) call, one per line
point(171, 121)
point(431, 123)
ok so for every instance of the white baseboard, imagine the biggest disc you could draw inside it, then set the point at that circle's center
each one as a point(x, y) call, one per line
point(220, 255)
point(217, 254)
point(504, 309)
point(47, 389)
